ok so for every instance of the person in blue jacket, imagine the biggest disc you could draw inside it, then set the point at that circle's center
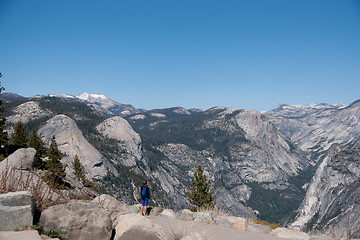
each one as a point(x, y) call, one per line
point(145, 197)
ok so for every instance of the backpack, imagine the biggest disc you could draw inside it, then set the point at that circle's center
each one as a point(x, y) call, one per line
point(143, 192)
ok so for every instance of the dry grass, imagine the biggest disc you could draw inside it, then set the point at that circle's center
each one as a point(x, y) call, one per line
point(266, 223)
point(12, 180)
point(216, 212)
point(180, 229)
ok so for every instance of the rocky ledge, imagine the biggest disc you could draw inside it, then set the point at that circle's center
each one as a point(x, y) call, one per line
point(107, 218)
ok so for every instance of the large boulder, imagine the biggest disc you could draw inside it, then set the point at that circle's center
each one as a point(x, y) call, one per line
point(289, 234)
point(185, 215)
point(16, 210)
point(168, 213)
point(20, 235)
point(194, 236)
point(258, 228)
point(241, 224)
point(78, 220)
point(135, 226)
point(227, 221)
point(205, 217)
point(112, 205)
point(21, 159)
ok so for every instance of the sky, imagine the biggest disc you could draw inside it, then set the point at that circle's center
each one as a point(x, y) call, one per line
point(245, 54)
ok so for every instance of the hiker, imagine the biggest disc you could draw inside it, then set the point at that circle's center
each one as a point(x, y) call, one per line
point(145, 197)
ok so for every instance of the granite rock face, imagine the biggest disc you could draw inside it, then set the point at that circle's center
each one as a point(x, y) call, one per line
point(78, 220)
point(16, 210)
point(71, 142)
point(119, 129)
point(135, 226)
point(332, 199)
point(26, 112)
point(21, 159)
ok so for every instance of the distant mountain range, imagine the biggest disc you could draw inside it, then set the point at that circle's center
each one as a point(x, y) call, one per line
point(297, 165)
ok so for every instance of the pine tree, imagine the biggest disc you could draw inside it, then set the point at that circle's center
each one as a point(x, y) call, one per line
point(19, 139)
point(56, 172)
point(39, 145)
point(78, 168)
point(3, 134)
point(199, 193)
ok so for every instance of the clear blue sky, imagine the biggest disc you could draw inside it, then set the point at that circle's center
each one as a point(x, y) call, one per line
point(251, 54)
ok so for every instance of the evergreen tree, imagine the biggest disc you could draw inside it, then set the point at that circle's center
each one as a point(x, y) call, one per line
point(39, 145)
point(78, 168)
point(19, 139)
point(56, 172)
point(199, 193)
point(3, 134)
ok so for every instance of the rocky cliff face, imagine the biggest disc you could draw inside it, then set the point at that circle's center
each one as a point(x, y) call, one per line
point(256, 162)
point(71, 142)
point(119, 129)
point(239, 150)
point(26, 112)
point(332, 199)
point(314, 128)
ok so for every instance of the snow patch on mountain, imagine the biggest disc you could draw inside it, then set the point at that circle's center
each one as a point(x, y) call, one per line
point(158, 115)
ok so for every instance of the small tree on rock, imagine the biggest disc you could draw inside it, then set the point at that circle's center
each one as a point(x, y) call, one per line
point(56, 172)
point(39, 145)
point(199, 193)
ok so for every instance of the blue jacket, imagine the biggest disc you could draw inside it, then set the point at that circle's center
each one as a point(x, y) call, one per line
point(147, 190)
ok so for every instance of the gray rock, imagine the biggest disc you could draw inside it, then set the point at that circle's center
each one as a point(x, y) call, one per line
point(227, 221)
point(119, 129)
point(194, 236)
point(135, 226)
point(112, 205)
point(258, 228)
point(21, 159)
point(20, 235)
point(168, 213)
point(78, 220)
point(16, 210)
point(71, 142)
point(289, 234)
point(320, 237)
point(205, 217)
point(241, 224)
point(156, 211)
point(185, 215)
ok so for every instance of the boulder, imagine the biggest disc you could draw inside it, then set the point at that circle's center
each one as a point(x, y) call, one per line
point(112, 205)
point(155, 211)
point(20, 235)
point(16, 210)
point(135, 226)
point(21, 159)
point(134, 208)
point(227, 221)
point(289, 234)
point(320, 237)
point(258, 228)
point(78, 220)
point(205, 217)
point(241, 224)
point(194, 236)
point(168, 213)
point(185, 215)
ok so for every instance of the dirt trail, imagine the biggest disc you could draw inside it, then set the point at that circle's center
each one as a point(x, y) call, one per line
point(211, 231)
